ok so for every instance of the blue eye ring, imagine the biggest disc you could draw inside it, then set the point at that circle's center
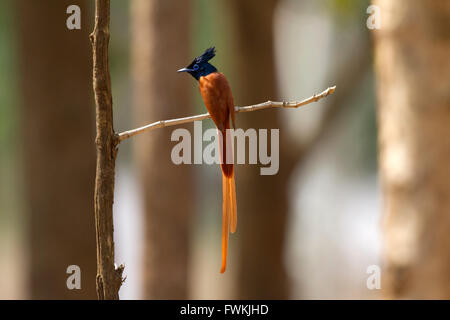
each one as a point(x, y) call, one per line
point(196, 67)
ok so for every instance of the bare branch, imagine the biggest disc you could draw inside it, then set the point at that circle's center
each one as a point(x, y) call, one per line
point(109, 278)
point(265, 105)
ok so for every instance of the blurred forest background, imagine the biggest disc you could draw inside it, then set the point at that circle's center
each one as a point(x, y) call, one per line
point(340, 203)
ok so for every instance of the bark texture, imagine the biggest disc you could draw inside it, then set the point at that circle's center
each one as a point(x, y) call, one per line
point(109, 279)
point(262, 200)
point(160, 45)
point(413, 71)
point(58, 151)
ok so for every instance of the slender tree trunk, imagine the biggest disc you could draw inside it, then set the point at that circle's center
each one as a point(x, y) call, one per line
point(413, 69)
point(109, 279)
point(160, 45)
point(262, 200)
point(59, 154)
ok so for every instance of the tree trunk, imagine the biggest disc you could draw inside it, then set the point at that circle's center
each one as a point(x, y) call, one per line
point(262, 200)
point(58, 147)
point(160, 45)
point(109, 278)
point(413, 70)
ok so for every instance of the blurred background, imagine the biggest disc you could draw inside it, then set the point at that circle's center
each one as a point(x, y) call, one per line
point(364, 177)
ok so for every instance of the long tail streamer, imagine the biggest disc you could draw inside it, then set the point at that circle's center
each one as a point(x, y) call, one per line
point(229, 206)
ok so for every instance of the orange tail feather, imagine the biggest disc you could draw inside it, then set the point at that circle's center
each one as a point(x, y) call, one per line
point(229, 214)
point(225, 222)
point(229, 207)
point(233, 205)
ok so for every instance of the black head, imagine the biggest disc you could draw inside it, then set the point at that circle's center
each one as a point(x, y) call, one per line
point(200, 66)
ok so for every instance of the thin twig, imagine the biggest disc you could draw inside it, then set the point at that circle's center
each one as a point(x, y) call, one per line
point(109, 278)
point(265, 105)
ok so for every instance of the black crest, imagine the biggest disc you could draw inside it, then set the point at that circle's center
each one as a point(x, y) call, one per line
point(206, 56)
point(200, 67)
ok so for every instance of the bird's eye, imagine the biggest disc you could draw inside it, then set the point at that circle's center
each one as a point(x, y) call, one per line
point(195, 67)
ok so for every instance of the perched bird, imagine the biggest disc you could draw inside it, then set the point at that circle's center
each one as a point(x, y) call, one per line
point(218, 99)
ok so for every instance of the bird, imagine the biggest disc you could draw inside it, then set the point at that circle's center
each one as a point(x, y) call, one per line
point(218, 99)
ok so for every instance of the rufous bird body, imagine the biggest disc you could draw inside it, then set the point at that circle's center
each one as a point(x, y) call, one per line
point(218, 99)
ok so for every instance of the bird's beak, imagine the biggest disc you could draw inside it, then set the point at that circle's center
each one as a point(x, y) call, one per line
point(184, 70)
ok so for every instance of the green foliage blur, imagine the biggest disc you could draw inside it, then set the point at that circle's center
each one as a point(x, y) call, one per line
point(8, 114)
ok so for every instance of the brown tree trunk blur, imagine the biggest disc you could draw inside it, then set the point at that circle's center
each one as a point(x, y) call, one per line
point(57, 129)
point(160, 44)
point(262, 200)
point(413, 70)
